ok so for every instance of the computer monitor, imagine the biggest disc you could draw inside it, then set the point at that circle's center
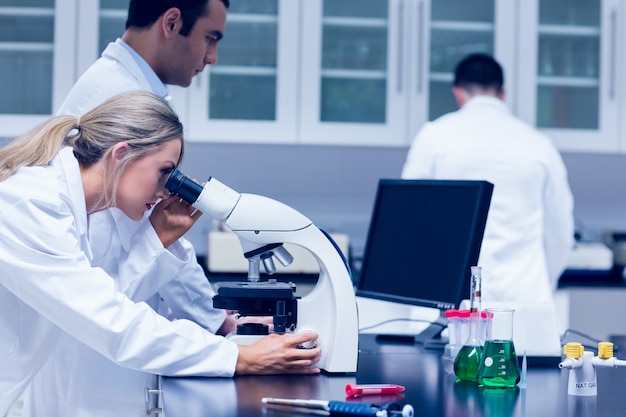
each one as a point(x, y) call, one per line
point(424, 236)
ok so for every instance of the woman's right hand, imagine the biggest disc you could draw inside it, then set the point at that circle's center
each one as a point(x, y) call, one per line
point(279, 354)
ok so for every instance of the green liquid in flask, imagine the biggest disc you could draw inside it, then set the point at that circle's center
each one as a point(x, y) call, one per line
point(499, 367)
point(467, 362)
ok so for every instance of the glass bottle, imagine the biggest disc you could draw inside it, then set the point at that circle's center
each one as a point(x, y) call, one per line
point(468, 359)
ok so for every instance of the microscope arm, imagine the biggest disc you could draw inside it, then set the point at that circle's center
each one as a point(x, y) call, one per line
point(246, 215)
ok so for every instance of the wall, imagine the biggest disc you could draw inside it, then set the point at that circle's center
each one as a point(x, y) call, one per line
point(335, 186)
point(332, 185)
point(598, 183)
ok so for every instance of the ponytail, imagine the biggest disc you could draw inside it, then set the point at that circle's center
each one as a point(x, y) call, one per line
point(141, 119)
point(37, 147)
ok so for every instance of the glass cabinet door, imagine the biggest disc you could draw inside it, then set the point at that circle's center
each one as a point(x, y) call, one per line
point(26, 56)
point(354, 62)
point(249, 94)
point(99, 22)
point(457, 28)
point(568, 79)
point(111, 21)
point(353, 74)
point(35, 65)
point(244, 97)
point(574, 59)
point(243, 85)
point(447, 31)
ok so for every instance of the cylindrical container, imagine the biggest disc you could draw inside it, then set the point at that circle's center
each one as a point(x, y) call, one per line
point(451, 349)
point(485, 328)
point(464, 326)
point(452, 317)
point(498, 366)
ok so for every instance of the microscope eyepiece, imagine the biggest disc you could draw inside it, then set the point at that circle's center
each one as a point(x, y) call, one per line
point(180, 185)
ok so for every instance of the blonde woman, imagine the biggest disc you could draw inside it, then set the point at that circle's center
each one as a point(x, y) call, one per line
point(117, 155)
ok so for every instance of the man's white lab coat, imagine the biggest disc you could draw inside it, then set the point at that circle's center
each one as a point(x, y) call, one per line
point(49, 288)
point(530, 226)
point(143, 270)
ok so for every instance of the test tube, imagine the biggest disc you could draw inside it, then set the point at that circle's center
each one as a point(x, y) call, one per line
point(452, 316)
point(464, 325)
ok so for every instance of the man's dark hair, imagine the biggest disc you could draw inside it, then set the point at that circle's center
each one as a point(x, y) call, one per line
point(143, 13)
point(479, 71)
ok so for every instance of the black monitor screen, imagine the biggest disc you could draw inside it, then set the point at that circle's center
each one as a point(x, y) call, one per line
point(423, 238)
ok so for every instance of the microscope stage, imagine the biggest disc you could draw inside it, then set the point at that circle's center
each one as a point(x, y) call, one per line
point(261, 289)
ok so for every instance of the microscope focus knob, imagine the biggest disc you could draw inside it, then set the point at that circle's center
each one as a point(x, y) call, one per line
point(311, 343)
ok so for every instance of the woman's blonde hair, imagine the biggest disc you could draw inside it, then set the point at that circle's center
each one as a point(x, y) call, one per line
point(140, 119)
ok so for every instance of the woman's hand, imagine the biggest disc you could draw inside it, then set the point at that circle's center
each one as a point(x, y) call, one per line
point(279, 354)
point(171, 218)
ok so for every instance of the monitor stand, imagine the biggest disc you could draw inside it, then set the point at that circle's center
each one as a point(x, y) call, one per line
point(430, 337)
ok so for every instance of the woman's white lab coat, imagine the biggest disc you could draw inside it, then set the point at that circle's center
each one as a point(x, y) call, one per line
point(167, 280)
point(50, 288)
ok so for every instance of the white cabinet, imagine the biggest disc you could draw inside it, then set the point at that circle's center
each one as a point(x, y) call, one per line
point(344, 72)
point(36, 60)
point(443, 32)
point(98, 23)
point(250, 94)
point(353, 72)
point(348, 72)
point(569, 71)
point(314, 71)
point(562, 61)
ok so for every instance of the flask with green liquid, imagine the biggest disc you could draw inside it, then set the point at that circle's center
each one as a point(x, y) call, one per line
point(499, 367)
point(468, 359)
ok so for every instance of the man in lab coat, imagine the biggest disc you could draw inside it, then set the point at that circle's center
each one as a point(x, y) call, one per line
point(150, 260)
point(529, 231)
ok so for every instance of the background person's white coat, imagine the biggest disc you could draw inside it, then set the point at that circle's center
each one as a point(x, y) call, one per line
point(530, 226)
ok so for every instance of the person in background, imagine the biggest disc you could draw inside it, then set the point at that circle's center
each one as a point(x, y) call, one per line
point(165, 42)
point(120, 154)
point(530, 227)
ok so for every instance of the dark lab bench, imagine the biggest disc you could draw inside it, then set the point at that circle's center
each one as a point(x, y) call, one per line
point(592, 278)
point(430, 390)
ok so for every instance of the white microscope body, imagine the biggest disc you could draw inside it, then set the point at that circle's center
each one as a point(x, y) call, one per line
point(259, 222)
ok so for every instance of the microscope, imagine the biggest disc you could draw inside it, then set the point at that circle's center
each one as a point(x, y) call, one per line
point(262, 226)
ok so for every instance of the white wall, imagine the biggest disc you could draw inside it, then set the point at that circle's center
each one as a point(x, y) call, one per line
point(335, 185)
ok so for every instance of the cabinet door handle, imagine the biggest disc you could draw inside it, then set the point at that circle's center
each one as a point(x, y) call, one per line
point(420, 49)
point(613, 19)
point(400, 72)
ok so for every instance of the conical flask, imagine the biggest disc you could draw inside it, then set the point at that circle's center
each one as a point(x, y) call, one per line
point(498, 365)
point(467, 361)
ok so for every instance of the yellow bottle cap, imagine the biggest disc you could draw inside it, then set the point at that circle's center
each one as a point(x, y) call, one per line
point(573, 350)
point(605, 350)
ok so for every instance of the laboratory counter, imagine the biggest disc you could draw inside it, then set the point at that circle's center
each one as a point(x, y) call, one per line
point(430, 389)
point(592, 278)
point(570, 277)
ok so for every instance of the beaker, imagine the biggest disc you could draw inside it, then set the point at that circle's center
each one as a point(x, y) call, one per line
point(498, 365)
